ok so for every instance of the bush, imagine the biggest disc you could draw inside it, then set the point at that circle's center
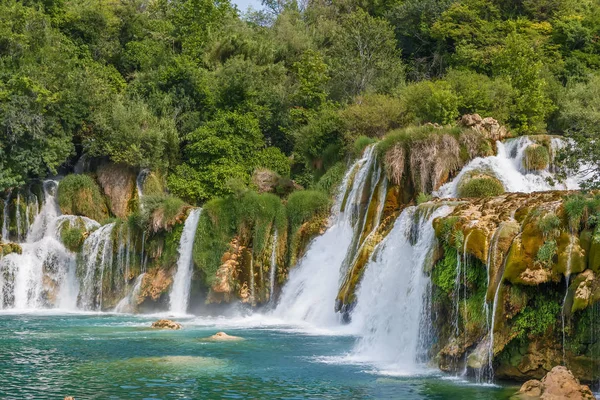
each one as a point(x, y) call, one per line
point(361, 143)
point(304, 204)
point(480, 186)
point(549, 224)
point(576, 209)
point(153, 185)
point(429, 101)
point(536, 158)
point(331, 180)
point(272, 158)
point(80, 195)
point(161, 212)
point(72, 238)
point(546, 253)
point(373, 116)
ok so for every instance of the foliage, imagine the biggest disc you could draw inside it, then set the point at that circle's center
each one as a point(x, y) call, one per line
point(576, 210)
point(331, 180)
point(72, 238)
point(550, 225)
point(546, 253)
point(80, 195)
point(161, 212)
point(373, 115)
point(304, 204)
point(536, 318)
point(444, 272)
point(361, 143)
point(480, 186)
point(423, 198)
point(536, 157)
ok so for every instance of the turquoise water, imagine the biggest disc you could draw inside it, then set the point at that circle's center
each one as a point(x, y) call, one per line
point(103, 356)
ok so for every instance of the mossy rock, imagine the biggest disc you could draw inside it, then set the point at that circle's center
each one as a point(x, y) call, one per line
point(477, 243)
point(521, 267)
point(9, 248)
point(153, 185)
point(118, 184)
point(480, 185)
point(571, 257)
point(80, 195)
point(594, 255)
point(505, 235)
point(536, 157)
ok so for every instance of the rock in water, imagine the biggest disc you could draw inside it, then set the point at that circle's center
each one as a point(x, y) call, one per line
point(222, 336)
point(166, 324)
point(556, 385)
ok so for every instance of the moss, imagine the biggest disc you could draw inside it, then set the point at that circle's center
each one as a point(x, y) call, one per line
point(537, 317)
point(594, 252)
point(162, 212)
point(550, 225)
point(80, 195)
point(423, 198)
point(153, 185)
point(72, 238)
point(444, 272)
point(571, 257)
point(480, 185)
point(536, 157)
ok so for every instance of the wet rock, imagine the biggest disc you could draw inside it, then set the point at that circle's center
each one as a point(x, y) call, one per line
point(155, 283)
point(223, 337)
point(558, 384)
point(118, 184)
point(166, 324)
point(489, 127)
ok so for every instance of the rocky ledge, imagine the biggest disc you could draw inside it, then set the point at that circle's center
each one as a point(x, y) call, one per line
point(559, 383)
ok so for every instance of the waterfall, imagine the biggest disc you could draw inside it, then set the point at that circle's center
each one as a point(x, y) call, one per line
point(567, 281)
point(392, 312)
point(5, 217)
point(180, 291)
point(273, 267)
point(128, 303)
point(139, 182)
point(507, 166)
point(43, 276)
point(96, 254)
point(311, 289)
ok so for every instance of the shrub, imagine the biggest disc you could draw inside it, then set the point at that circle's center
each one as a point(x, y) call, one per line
point(80, 195)
point(304, 204)
point(429, 101)
point(576, 210)
point(549, 224)
point(423, 198)
point(331, 180)
point(546, 253)
point(537, 319)
point(272, 158)
point(373, 115)
point(153, 185)
point(161, 212)
point(536, 158)
point(480, 186)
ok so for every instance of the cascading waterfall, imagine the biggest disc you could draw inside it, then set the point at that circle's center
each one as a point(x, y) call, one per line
point(128, 303)
point(43, 276)
point(507, 166)
point(97, 253)
point(567, 282)
point(180, 291)
point(139, 182)
point(313, 282)
point(5, 237)
point(273, 267)
point(392, 308)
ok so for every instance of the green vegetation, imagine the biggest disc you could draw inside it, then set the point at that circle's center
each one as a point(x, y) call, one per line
point(536, 157)
point(205, 94)
point(161, 212)
point(546, 253)
point(549, 225)
point(444, 273)
point(537, 318)
point(80, 195)
point(72, 238)
point(305, 204)
point(480, 185)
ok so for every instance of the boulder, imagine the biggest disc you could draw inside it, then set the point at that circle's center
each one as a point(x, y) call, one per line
point(488, 127)
point(558, 384)
point(166, 324)
point(118, 184)
point(223, 337)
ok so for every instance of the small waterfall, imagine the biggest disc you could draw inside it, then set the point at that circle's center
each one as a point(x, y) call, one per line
point(180, 291)
point(252, 283)
point(392, 308)
point(128, 303)
point(567, 282)
point(139, 182)
point(96, 254)
point(18, 218)
point(507, 166)
point(43, 276)
point(273, 267)
point(5, 217)
point(313, 282)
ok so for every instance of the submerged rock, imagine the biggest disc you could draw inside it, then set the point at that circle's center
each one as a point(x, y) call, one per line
point(166, 324)
point(222, 336)
point(559, 383)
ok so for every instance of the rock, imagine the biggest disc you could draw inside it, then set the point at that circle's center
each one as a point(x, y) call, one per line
point(156, 282)
point(223, 337)
point(488, 127)
point(558, 384)
point(265, 180)
point(166, 324)
point(69, 398)
point(118, 184)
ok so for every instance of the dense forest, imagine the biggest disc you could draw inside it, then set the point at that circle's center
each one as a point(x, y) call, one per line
point(208, 95)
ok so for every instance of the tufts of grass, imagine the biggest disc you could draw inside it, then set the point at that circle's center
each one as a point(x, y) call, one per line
point(480, 186)
point(80, 195)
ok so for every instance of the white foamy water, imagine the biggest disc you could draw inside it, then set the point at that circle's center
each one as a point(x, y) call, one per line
point(182, 281)
point(508, 167)
point(310, 292)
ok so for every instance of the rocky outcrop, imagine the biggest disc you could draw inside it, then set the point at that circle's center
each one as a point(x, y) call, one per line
point(118, 184)
point(558, 384)
point(155, 283)
point(223, 286)
point(488, 127)
point(223, 337)
point(166, 324)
